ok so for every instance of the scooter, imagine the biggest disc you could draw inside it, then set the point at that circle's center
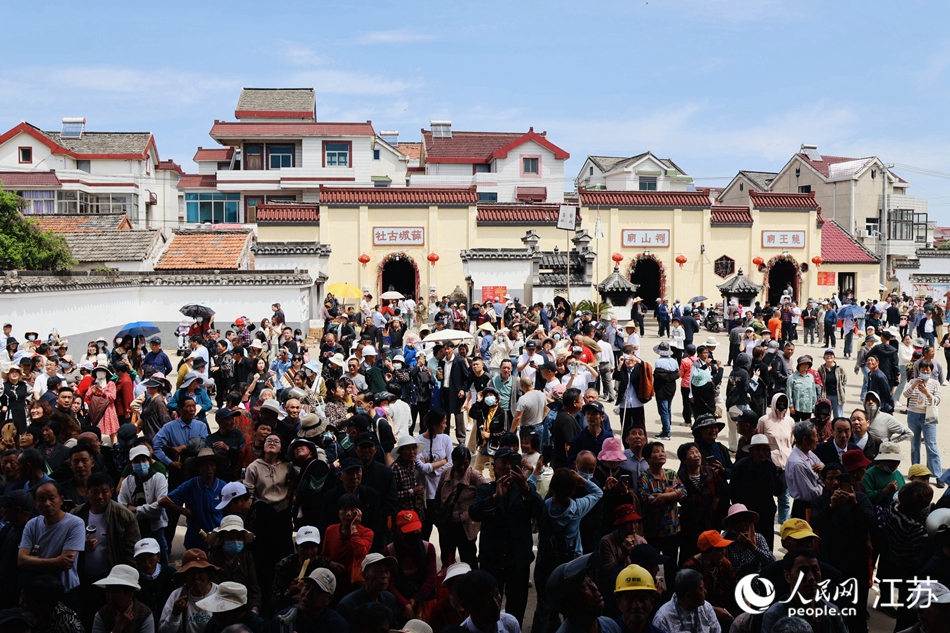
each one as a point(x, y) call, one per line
point(713, 321)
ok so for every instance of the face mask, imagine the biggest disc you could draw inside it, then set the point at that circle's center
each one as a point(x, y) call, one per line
point(557, 337)
point(386, 409)
point(924, 377)
point(329, 437)
point(31, 338)
point(872, 408)
point(490, 401)
point(346, 443)
point(101, 382)
point(887, 469)
point(781, 406)
point(140, 469)
point(100, 344)
point(587, 476)
point(200, 319)
point(360, 411)
point(233, 547)
point(66, 366)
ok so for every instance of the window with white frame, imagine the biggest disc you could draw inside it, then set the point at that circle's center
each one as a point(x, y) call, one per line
point(337, 154)
point(38, 202)
point(26, 154)
point(280, 156)
point(647, 183)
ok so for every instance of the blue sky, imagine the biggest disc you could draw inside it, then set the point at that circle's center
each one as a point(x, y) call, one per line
point(715, 85)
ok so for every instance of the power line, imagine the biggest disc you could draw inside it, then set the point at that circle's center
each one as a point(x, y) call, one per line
point(922, 171)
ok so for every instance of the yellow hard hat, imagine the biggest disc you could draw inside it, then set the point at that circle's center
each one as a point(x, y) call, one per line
point(634, 578)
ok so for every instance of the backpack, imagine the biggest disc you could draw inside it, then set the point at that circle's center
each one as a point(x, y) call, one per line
point(644, 386)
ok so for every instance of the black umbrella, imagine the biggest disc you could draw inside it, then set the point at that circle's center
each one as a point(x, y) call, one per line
point(697, 299)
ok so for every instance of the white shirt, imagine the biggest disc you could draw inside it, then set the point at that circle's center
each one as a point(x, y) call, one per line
point(366, 309)
point(447, 370)
point(581, 380)
point(401, 414)
point(97, 561)
point(606, 354)
point(528, 370)
point(634, 339)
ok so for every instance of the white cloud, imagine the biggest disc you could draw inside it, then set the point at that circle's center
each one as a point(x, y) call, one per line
point(396, 36)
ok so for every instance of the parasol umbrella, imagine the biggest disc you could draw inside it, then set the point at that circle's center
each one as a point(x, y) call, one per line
point(447, 335)
point(698, 298)
point(392, 294)
point(344, 290)
point(137, 329)
point(852, 312)
point(195, 310)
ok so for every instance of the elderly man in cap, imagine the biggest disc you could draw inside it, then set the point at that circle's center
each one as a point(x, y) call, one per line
point(156, 357)
point(688, 611)
point(719, 577)
point(155, 579)
point(122, 612)
point(797, 533)
point(290, 571)
point(192, 387)
point(378, 572)
point(227, 440)
point(198, 497)
point(350, 475)
point(933, 609)
point(481, 600)
point(313, 613)
point(448, 611)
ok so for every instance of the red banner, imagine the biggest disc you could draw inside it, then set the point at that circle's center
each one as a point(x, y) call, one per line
point(490, 292)
point(826, 278)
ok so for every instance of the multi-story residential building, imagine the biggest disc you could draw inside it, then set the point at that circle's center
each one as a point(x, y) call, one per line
point(278, 152)
point(852, 192)
point(74, 170)
point(504, 167)
point(643, 172)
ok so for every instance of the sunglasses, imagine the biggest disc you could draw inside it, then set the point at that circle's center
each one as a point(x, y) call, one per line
point(298, 358)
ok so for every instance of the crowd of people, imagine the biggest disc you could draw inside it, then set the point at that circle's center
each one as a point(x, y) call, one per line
point(334, 494)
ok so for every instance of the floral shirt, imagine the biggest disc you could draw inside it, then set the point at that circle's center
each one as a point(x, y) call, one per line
point(660, 519)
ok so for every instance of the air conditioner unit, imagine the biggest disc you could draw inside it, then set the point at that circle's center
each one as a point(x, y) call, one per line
point(862, 233)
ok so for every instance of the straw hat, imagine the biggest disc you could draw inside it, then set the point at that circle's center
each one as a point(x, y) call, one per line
point(195, 559)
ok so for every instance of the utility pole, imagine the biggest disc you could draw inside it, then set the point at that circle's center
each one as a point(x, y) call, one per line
point(885, 224)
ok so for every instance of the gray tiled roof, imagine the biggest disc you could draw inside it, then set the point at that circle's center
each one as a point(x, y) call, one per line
point(761, 179)
point(104, 142)
point(616, 283)
point(610, 163)
point(290, 248)
point(112, 246)
point(277, 99)
point(496, 253)
point(740, 284)
point(560, 279)
point(550, 260)
point(20, 281)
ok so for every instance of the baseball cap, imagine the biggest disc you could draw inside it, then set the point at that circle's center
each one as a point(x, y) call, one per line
point(376, 557)
point(324, 579)
point(364, 438)
point(307, 534)
point(919, 470)
point(797, 529)
point(147, 546)
point(408, 521)
point(350, 463)
point(230, 492)
point(594, 407)
point(712, 538)
point(138, 451)
point(532, 344)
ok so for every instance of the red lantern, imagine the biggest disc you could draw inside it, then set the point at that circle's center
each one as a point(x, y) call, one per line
point(758, 261)
point(617, 257)
point(817, 260)
point(433, 258)
point(681, 259)
point(364, 259)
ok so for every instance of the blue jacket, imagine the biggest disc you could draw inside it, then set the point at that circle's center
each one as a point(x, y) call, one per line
point(159, 361)
point(663, 313)
point(568, 518)
point(201, 399)
point(831, 316)
point(487, 340)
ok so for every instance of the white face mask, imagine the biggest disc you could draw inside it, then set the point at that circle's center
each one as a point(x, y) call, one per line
point(101, 382)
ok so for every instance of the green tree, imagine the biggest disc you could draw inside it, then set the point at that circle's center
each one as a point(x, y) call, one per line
point(24, 244)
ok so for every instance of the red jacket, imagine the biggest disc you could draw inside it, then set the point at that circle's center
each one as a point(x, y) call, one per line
point(349, 553)
point(124, 395)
